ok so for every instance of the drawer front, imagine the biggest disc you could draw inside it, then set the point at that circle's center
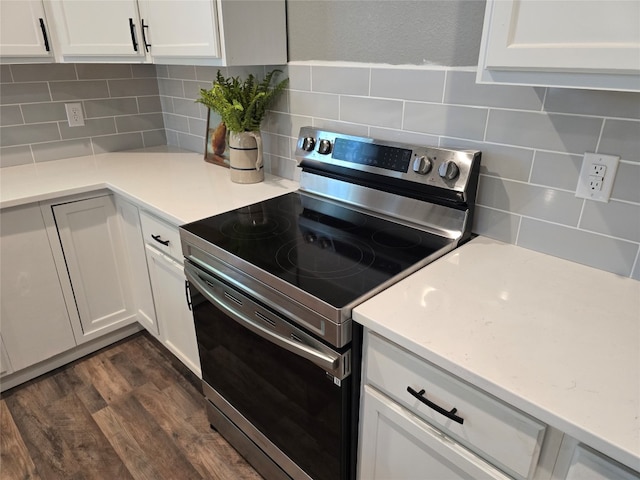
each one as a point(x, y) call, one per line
point(492, 429)
point(161, 235)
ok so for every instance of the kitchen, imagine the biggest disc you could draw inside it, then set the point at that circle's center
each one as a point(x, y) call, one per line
point(532, 138)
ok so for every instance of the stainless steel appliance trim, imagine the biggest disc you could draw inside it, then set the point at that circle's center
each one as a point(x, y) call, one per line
point(438, 155)
point(284, 335)
point(257, 442)
point(437, 219)
point(328, 322)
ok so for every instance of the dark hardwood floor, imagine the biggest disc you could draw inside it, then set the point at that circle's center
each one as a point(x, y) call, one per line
point(129, 411)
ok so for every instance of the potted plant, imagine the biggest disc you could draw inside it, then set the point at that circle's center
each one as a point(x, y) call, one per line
point(242, 105)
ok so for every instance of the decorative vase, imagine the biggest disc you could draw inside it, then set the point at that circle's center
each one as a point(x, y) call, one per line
point(245, 157)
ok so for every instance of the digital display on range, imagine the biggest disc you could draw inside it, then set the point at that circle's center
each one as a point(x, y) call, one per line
point(389, 158)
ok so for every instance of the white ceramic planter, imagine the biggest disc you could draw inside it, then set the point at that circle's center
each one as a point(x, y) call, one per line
point(245, 157)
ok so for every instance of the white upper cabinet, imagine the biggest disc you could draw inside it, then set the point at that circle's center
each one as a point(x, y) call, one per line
point(180, 28)
point(565, 43)
point(193, 32)
point(97, 30)
point(24, 32)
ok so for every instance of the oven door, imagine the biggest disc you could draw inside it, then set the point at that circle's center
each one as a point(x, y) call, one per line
point(289, 393)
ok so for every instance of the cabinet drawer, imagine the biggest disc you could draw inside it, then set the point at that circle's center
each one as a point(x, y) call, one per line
point(505, 437)
point(161, 235)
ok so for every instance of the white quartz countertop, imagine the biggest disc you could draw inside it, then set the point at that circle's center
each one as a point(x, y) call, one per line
point(176, 185)
point(559, 340)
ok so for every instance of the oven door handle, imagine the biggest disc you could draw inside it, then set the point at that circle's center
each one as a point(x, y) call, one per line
point(321, 359)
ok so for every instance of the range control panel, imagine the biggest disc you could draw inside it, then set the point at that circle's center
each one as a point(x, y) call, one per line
point(444, 168)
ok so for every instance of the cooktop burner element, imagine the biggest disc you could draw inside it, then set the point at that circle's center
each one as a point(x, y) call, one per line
point(367, 214)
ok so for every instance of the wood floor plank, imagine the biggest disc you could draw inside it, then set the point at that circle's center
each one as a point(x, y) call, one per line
point(129, 411)
point(51, 455)
point(127, 448)
point(200, 444)
point(90, 447)
point(15, 461)
point(104, 376)
point(153, 440)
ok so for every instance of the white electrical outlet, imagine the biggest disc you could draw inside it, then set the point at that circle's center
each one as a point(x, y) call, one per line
point(596, 176)
point(74, 114)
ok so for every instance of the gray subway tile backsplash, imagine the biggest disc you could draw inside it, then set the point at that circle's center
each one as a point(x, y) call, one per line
point(556, 170)
point(447, 120)
point(593, 102)
point(15, 93)
point(531, 153)
point(31, 133)
point(621, 137)
point(44, 152)
point(78, 90)
point(618, 219)
point(43, 112)
point(342, 80)
point(409, 84)
point(530, 200)
point(462, 89)
point(578, 246)
point(10, 115)
point(560, 133)
point(371, 111)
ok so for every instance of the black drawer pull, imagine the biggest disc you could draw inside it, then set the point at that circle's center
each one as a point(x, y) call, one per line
point(132, 29)
point(159, 240)
point(449, 414)
point(44, 35)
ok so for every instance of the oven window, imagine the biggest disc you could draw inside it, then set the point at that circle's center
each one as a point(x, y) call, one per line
point(289, 399)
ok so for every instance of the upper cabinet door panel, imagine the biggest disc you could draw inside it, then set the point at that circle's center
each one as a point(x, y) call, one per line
point(186, 28)
point(23, 26)
point(97, 27)
point(573, 43)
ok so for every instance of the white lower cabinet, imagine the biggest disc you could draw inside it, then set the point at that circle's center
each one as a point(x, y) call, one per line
point(87, 242)
point(5, 364)
point(419, 422)
point(579, 462)
point(175, 320)
point(137, 263)
point(395, 444)
point(35, 323)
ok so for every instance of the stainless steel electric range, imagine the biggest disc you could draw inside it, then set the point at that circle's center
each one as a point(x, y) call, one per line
point(273, 286)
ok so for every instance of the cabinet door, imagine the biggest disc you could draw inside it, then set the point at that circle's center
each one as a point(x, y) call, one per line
point(35, 324)
point(95, 259)
point(177, 330)
point(180, 28)
point(394, 444)
point(137, 263)
point(23, 30)
point(542, 37)
point(107, 30)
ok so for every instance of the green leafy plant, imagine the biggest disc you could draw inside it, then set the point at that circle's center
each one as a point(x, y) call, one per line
point(242, 104)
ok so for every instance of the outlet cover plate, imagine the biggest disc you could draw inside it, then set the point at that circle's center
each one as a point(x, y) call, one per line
point(600, 192)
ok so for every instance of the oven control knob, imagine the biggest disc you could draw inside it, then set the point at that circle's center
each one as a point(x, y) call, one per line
point(325, 147)
point(422, 165)
point(448, 170)
point(308, 143)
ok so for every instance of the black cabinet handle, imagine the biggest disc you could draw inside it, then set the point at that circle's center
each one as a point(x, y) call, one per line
point(144, 36)
point(159, 240)
point(186, 292)
point(132, 28)
point(44, 35)
point(449, 414)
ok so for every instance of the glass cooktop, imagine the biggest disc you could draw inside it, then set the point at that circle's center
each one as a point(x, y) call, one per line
point(331, 252)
